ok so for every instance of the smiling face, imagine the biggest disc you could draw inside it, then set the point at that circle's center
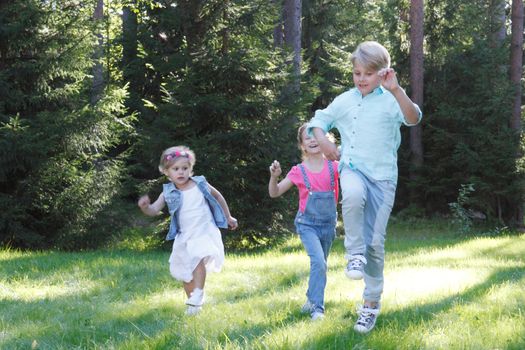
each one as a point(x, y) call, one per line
point(309, 145)
point(179, 172)
point(365, 79)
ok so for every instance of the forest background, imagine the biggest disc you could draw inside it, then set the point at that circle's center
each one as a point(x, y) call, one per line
point(92, 91)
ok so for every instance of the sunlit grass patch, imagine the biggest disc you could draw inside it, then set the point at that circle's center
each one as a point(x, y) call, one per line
point(440, 293)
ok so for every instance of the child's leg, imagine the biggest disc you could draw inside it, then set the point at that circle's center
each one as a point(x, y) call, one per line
point(199, 275)
point(353, 191)
point(188, 287)
point(317, 280)
point(380, 200)
point(194, 289)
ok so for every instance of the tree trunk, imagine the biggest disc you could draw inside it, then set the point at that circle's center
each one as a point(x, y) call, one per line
point(130, 70)
point(225, 32)
point(516, 62)
point(292, 37)
point(278, 28)
point(516, 72)
point(498, 21)
point(98, 71)
point(416, 84)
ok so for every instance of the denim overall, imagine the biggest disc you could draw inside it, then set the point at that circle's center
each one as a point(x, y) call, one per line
point(316, 228)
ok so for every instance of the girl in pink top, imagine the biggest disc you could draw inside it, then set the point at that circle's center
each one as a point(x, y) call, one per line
point(316, 179)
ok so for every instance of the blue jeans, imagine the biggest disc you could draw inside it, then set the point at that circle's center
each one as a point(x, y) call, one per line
point(317, 232)
point(366, 209)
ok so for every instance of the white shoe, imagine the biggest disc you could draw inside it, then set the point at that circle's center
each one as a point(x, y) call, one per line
point(307, 308)
point(193, 310)
point(354, 268)
point(316, 315)
point(196, 298)
point(366, 319)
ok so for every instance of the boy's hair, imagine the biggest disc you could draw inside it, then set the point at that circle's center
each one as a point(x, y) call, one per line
point(371, 55)
point(170, 155)
point(300, 131)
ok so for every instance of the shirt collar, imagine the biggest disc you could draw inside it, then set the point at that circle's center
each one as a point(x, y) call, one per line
point(377, 91)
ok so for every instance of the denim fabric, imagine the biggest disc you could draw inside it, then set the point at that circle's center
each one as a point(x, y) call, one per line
point(173, 198)
point(316, 228)
point(366, 209)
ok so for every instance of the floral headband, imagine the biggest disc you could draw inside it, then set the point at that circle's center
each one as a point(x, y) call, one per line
point(177, 154)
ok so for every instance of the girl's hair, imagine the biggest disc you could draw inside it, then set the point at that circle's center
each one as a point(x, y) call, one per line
point(300, 132)
point(170, 155)
point(371, 55)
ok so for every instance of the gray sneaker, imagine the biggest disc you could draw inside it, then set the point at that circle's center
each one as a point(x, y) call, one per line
point(317, 315)
point(354, 268)
point(307, 308)
point(366, 319)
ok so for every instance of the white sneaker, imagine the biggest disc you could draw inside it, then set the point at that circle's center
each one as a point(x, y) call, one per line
point(307, 308)
point(196, 298)
point(354, 268)
point(316, 315)
point(193, 310)
point(366, 319)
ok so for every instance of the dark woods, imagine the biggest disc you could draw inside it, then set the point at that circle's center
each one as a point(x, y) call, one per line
point(93, 91)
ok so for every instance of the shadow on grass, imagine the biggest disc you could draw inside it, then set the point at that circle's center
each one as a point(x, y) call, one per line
point(408, 318)
point(91, 318)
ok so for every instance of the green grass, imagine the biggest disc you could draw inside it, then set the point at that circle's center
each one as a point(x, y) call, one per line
point(441, 292)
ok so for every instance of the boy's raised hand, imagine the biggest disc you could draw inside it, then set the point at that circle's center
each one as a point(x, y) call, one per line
point(389, 79)
point(275, 169)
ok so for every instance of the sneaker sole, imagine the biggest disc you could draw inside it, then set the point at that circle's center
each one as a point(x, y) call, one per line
point(361, 329)
point(354, 275)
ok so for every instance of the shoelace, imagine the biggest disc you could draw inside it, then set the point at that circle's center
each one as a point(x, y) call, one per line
point(355, 264)
point(365, 318)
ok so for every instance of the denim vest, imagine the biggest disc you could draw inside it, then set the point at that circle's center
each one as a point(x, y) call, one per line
point(173, 198)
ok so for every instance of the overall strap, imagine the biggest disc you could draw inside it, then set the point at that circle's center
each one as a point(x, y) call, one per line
point(305, 178)
point(332, 176)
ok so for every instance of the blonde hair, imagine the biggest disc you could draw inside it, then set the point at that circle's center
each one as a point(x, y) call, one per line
point(170, 155)
point(371, 55)
point(300, 131)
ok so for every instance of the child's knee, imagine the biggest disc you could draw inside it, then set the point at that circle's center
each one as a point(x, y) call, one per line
point(353, 197)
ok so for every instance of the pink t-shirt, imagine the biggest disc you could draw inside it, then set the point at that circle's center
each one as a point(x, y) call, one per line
point(319, 182)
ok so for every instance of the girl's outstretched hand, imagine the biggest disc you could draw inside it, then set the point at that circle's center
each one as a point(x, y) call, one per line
point(275, 169)
point(232, 223)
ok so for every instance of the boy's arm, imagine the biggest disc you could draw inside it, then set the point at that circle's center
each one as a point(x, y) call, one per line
point(151, 209)
point(232, 222)
point(409, 110)
point(328, 148)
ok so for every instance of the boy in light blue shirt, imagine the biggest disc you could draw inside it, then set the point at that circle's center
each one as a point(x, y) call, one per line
point(368, 118)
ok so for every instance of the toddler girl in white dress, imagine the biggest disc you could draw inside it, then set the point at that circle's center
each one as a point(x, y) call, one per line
point(197, 211)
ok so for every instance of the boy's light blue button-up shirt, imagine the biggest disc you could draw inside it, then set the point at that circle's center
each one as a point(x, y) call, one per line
point(369, 129)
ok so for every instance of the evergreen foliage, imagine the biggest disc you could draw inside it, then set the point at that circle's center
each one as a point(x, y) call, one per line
point(56, 172)
point(222, 99)
point(207, 74)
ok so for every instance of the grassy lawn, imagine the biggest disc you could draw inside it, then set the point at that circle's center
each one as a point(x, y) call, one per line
point(441, 292)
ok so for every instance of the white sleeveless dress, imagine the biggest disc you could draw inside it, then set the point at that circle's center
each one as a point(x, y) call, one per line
point(199, 238)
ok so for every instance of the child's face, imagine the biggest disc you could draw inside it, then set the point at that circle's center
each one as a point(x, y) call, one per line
point(365, 79)
point(309, 144)
point(179, 172)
